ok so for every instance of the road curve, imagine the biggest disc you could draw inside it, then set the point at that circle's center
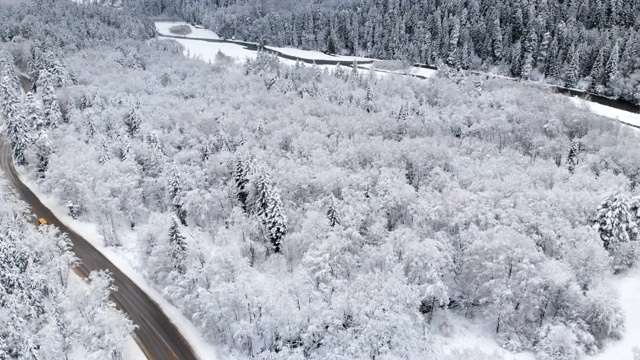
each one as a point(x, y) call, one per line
point(158, 337)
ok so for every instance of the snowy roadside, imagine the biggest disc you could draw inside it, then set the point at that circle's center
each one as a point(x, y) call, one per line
point(131, 351)
point(203, 350)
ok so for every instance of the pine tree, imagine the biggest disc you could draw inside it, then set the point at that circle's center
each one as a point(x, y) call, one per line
point(51, 108)
point(573, 159)
point(33, 113)
point(44, 148)
point(543, 50)
point(615, 13)
point(573, 74)
point(332, 213)
point(177, 247)
point(465, 56)
point(14, 114)
point(206, 152)
point(267, 206)
point(8, 73)
point(616, 222)
point(175, 193)
point(612, 65)
point(516, 58)
point(454, 35)
point(596, 69)
point(261, 195)
point(132, 121)
point(103, 153)
point(241, 172)
point(527, 65)
point(369, 97)
point(276, 222)
point(496, 39)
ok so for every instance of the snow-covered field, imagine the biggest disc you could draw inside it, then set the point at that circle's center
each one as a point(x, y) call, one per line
point(122, 259)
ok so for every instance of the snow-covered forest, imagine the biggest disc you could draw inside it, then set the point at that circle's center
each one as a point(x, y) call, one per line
point(292, 212)
point(591, 45)
point(47, 312)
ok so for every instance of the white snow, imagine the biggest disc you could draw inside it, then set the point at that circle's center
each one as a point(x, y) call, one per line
point(411, 70)
point(470, 339)
point(316, 55)
point(196, 32)
point(423, 72)
point(207, 51)
point(607, 111)
point(628, 286)
point(132, 351)
point(203, 350)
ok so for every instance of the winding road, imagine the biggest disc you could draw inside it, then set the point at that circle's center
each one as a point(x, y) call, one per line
point(156, 335)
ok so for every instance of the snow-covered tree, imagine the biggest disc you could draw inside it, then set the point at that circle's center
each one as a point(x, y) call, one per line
point(618, 229)
point(611, 69)
point(267, 206)
point(132, 120)
point(332, 213)
point(573, 159)
point(15, 119)
point(177, 247)
point(50, 106)
point(33, 113)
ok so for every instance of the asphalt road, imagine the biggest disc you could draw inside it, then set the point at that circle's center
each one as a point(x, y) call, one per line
point(157, 336)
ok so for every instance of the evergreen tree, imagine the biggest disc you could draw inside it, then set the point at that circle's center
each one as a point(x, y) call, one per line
point(175, 193)
point(132, 121)
point(51, 108)
point(516, 58)
point(14, 114)
point(543, 50)
point(8, 73)
point(332, 213)
point(596, 69)
point(44, 148)
point(103, 153)
point(496, 39)
point(615, 221)
point(573, 159)
point(612, 65)
point(573, 73)
point(33, 113)
point(368, 97)
point(177, 247)
point(267, 206)
point(527, 65)
point(241, 172)
point(453, 56)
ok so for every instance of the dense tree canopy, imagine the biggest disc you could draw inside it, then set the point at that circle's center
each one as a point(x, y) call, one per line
point(297, 212)
point(593, 44)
